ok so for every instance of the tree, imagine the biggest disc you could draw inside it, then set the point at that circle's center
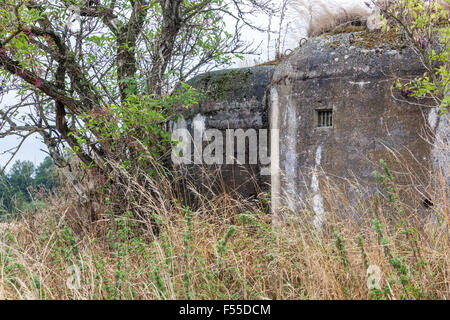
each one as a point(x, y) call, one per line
point(14, 186)
point(5, 194)
point(21, 178)
point(17, 187)
point(105, 85)
point(426, 26)
point(45, 175)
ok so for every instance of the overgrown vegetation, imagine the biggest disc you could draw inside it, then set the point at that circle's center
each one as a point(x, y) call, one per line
point(426, 27)
point(101, 79)
point(221, 250)
point(105, 92)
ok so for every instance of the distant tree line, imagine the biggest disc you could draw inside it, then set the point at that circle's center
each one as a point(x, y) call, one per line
point(20, 184)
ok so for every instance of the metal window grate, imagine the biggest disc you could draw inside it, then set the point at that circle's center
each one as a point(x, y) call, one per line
point(324, 118)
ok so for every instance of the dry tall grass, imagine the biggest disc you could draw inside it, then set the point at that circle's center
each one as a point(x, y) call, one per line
point(220, 250)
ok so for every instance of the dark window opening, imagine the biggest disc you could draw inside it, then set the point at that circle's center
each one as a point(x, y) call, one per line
point(427, 203)
point(324, 118)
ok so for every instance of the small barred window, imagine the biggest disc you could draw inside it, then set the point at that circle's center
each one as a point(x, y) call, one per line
point(324, 118)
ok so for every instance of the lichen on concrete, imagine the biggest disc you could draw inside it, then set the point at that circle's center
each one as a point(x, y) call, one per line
point(370, 40)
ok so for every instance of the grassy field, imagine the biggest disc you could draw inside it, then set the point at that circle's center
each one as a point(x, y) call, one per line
point(224, 250)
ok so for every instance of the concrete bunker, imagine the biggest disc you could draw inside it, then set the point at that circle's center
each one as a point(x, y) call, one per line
point(336, 114)
point(330, 112)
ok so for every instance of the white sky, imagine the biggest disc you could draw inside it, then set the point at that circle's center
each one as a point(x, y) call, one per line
point(31, 150)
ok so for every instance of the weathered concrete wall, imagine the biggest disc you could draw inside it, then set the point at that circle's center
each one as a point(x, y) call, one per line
point(233, 99)
point(350, 75)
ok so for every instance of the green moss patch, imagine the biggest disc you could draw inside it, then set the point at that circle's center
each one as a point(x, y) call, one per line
point(370, 40)
point(218, 86)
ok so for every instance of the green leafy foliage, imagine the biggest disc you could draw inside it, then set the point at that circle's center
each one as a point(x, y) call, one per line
point(126, 61)
point(426, 25)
